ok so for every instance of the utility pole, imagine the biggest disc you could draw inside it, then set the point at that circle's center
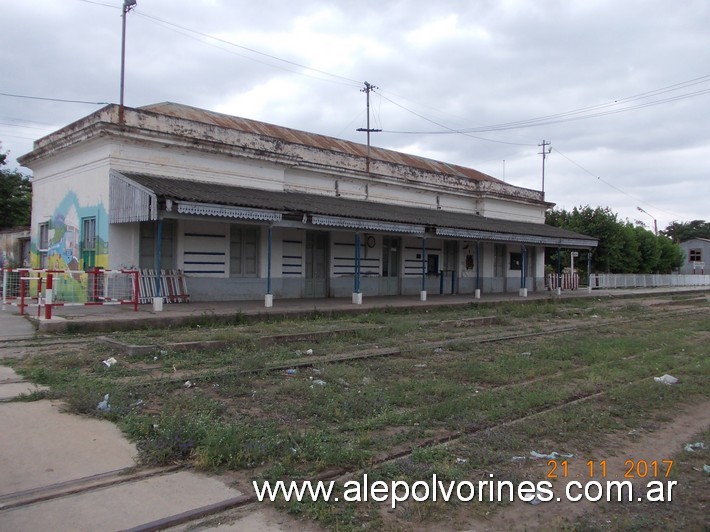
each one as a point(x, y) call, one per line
point(367, 90)
point(545, 151)
point(127, 6)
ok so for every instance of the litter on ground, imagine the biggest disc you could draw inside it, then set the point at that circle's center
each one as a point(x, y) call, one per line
point(692, 447)
point(103, 406)
point(666, 379)
point(552, 456)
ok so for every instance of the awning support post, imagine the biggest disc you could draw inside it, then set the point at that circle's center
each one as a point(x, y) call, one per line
point(269, 297)
point(422, 294)
point(523, 272)
point(158, 299)
point(559, 272)
point(478, 271)
point(357, 292)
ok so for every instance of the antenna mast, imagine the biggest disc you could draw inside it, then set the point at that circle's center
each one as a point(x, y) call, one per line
point(367, 90)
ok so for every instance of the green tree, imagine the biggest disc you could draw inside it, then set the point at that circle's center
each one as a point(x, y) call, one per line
point(671, 257)
point(601, 224)
point(622, 248)
point(15, 196)
point(649, 250)
point(682, 231)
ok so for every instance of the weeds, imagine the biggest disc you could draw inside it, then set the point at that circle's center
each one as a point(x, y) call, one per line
point(494, 399)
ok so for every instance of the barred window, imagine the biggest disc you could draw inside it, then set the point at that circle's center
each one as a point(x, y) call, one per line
point(43, 244)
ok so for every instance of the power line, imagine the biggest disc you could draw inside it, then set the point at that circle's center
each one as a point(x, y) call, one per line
point(579, 114)
point(447, 128)
point(251, 50)
point(598, 178)
point(51, 99)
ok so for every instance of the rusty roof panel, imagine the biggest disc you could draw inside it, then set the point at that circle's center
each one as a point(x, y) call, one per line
point(315, 140)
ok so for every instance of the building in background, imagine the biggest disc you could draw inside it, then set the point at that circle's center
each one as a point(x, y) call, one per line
point(697, 253)
point(248, 209)
point(15, 247)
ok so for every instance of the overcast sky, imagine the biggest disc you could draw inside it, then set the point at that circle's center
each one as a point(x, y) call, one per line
point(621, 88)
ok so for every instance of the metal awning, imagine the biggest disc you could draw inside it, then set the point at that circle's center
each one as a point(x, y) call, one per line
point(136, 197)
point(367, 225)
point(487, 236)
point(227, 211)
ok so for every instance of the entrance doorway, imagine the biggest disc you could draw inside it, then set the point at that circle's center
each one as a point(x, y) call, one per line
point(316, 282)
point(391, 252)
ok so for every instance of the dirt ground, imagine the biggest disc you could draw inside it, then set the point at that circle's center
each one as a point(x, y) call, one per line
point(661, 444)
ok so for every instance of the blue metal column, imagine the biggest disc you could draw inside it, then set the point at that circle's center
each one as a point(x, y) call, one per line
point(269, 297)
point(357, 291)
point(422, 294)
point(559, 271)
point(523, 271)
point(268, 261)
point(158, 259)
point(478, 270)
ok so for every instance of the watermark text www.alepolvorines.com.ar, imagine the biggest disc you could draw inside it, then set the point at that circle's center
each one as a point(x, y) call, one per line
point(398, 491)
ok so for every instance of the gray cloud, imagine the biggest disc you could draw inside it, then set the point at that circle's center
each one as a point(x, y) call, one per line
point(461, 64)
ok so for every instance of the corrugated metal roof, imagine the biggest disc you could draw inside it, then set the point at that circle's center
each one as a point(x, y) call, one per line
point(299, 203)
point(314, 140)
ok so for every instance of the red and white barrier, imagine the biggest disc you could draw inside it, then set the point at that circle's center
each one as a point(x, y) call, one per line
point(566, 281)
point(53, 288)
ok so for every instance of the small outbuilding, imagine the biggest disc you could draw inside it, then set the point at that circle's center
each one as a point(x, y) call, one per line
point(697, 252)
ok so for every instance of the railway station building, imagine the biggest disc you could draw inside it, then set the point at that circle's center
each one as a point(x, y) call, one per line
point(250, 210)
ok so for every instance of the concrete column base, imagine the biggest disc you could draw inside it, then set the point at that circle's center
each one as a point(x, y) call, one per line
point(269, 300)
point(157, 304)
point(422, 295)
point(523, 292)
point(559, 291)
point(357, 298)
point(477, 293)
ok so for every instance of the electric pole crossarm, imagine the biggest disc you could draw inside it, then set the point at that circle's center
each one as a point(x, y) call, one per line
point(545, 151)
point(367, 90)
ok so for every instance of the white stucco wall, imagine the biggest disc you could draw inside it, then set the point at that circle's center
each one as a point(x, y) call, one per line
point(183, 163)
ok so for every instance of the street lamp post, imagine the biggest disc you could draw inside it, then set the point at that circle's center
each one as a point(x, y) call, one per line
point(127, 6)
point(655, 225)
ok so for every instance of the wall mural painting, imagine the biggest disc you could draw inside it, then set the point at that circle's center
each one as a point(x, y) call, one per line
point(68, 248)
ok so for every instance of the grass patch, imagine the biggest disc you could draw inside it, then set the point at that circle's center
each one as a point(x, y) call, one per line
point(493, 400)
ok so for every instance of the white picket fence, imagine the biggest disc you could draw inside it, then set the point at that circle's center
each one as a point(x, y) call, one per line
point(630, 280)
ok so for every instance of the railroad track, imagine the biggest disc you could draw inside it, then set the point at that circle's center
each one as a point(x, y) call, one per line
point(462, 338)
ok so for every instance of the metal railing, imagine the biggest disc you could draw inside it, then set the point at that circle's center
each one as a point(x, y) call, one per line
point(632, 280)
